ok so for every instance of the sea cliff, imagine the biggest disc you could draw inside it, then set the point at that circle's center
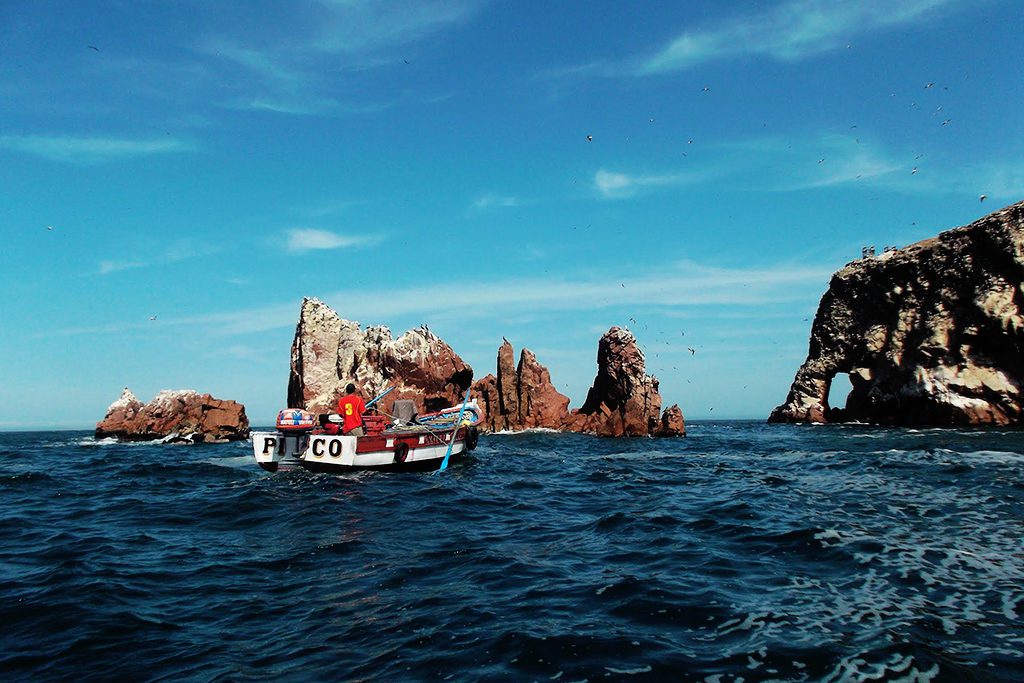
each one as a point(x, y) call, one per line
point(930, 334)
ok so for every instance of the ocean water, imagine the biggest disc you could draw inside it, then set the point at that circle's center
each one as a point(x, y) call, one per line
point(745, 551)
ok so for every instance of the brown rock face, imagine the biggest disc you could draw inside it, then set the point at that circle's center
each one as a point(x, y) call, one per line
point(520, 397)
point(624, 400)
point(329, 352)
point(175, 416)
point(931, 334)
point(672, 423)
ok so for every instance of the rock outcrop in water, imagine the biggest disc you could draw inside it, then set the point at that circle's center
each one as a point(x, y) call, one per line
point(174, 417)
point(520, 396)
point(624, 400)
point(931, 334)
point(329, 352)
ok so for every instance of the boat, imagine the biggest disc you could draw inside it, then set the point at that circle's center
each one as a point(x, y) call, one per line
point(305, 441)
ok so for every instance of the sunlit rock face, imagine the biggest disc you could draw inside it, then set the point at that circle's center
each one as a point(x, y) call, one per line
point(624, 400)
point(931, 334)
point(520, 396)
point(329, 352)
point(184, 416)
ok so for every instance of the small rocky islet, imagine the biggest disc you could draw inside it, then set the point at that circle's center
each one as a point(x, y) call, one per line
point(930, 334)
point(184, 416)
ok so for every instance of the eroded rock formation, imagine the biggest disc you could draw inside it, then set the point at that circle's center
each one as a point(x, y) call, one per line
point(520, 396)
point(329, 352)
point(929, 334)
point(174, 416)
point(624, 400)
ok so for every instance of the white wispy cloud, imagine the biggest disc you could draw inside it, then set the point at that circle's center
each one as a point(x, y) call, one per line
point(789, 31)
point(242, 352)
point(305, 104)
point(284, 69)
point(674, 288)
point(492, 201)
point(374, 26)
point(824, 160)
point(309, 239)
point(107, 267)
point(179, 250)
point(997, 179)
point(614, 185)
point(90, 150)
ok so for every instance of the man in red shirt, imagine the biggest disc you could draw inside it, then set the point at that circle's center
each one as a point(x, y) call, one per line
point(351, 408)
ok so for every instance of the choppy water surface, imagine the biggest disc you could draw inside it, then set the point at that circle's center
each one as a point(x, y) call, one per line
point(745, 551)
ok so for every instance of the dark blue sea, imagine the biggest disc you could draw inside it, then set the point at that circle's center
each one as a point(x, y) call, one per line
point(745, 551)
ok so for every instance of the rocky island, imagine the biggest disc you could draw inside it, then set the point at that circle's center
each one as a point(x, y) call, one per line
point(931, 334)
point(329, 351)
point(184, 416)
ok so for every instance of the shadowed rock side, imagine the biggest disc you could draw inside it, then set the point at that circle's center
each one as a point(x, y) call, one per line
point(175, 416)
point(520, 397)
point(624, 401)
point(329, 352)
point(931, 334)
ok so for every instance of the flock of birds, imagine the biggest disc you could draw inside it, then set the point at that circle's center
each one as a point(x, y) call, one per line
point(707, 89)
point(822, 160)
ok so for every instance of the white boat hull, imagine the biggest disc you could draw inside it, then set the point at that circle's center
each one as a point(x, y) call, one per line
point(279, 451)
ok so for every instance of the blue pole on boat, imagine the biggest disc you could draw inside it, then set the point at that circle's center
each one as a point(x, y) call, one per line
point(458, 420)
point(388, 391)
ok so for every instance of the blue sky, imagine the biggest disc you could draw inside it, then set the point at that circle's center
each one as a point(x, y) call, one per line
point(540, 171)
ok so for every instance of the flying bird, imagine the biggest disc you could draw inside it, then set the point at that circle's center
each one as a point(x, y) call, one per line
point(152, 317)
point(928, 86)
point(93, 47)
point(590, 138)
point(821, 161)
point(980, 199)
point(947, 122)
point(50, 227)
point(913, 170)
point(706, 89)
point(691, 350)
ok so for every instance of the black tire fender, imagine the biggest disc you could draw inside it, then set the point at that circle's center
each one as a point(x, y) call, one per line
point(472, 437)
point(401, 451)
